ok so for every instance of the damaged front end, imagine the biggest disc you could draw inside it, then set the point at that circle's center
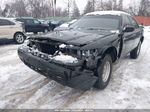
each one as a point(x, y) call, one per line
point(67, 64)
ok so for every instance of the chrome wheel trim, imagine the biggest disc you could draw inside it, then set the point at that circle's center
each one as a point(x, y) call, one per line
point(19, 38)
point(106, 71)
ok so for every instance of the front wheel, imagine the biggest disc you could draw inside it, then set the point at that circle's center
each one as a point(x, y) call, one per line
point(135, 52)
point(19, 38)
point(104, 71)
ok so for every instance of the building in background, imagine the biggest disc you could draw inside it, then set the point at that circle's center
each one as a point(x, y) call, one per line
point(143, 20)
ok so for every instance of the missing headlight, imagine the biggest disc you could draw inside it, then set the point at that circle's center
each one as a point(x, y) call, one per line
point(89, 53)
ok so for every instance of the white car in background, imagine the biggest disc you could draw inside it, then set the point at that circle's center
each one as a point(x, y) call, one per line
point(11, 29)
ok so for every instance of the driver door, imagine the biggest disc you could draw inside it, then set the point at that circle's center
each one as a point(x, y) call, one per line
point(128, 37)
point(37, 25)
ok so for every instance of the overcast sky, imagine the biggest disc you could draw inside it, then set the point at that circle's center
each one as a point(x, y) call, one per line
point(81, 3)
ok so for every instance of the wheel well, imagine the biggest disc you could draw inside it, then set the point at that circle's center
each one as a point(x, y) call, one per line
point(113, 52)
point(18, 32)
point(142, 39)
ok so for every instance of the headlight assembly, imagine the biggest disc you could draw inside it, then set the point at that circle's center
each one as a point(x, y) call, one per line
point(88, 53)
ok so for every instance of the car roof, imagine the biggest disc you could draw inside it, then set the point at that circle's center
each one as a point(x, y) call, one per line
point(116, 13)
point(7, 18)
point(25, 18)
point(11, 19)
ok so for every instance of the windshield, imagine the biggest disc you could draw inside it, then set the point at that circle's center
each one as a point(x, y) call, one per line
point(98, 22)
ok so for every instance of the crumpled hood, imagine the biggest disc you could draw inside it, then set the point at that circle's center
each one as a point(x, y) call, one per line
point(76, 37)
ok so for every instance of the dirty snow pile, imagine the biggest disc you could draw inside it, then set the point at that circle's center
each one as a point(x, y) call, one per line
point(65, 58)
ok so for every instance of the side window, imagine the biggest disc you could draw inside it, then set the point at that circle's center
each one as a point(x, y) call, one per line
point(11, 23)
point(1, 22)
point(29, 21)
point(133, 22)
point(23, 21)
point(4, 22)
point(125, 21)
point(36, 22)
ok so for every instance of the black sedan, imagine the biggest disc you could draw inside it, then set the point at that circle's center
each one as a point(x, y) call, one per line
point(82, 56)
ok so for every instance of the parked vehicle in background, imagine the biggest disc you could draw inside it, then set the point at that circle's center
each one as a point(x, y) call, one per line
point(83, 55)
point(34, 25)
point(65, 26)
point(54, 24)
point(11, 29)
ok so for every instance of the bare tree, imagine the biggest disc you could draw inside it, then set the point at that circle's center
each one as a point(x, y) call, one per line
point(114, 4)
point(75, 12)
point(133, 8)
point(36, 8)
point(19, 8)
point(68, 6)
point(0, 11)
point(107, 5)
point(59, 11)
point(144, 9)
point(120, 5)
point(7, 10)
point(100, 5)
point(89, 7)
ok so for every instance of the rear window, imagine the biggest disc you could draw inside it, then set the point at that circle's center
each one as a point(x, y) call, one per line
point(4, 22)
point(29, 21)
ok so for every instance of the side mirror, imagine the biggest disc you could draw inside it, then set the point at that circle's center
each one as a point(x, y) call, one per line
point(128, 29)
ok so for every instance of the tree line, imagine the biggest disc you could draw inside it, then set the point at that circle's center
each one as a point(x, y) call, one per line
point(45, 8)
point(136, 9)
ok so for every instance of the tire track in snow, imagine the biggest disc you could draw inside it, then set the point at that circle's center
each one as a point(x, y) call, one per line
point(24, 94)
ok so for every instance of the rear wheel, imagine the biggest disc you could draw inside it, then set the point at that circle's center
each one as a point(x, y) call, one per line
point(19, 38)
point(135, 52)
point(104, 71)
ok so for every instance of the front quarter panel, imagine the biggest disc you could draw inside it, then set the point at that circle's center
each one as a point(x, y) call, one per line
point(104, 43)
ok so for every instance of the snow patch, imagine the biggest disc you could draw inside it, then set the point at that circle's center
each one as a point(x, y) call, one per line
point(114, 31)
point(64, 25)
point(65, 58)
point(62, 46)
point(118, 13)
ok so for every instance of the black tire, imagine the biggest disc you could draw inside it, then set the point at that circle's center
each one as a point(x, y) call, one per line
point(19, 38)
point(135, 52)
point(103, 82)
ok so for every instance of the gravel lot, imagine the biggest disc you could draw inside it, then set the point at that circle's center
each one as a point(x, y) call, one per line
point(21, 87)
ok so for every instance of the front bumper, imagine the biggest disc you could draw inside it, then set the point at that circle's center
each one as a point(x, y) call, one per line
point(66, 74)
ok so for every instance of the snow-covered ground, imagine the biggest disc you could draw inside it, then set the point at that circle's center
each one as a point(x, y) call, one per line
point(21, 87)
